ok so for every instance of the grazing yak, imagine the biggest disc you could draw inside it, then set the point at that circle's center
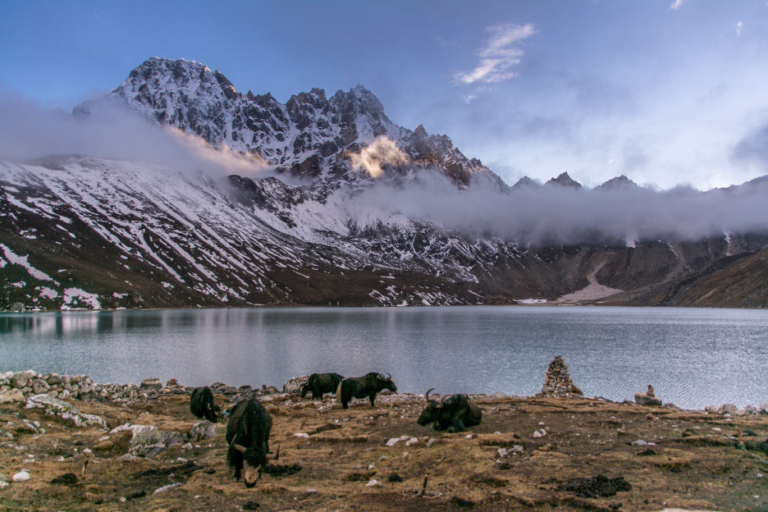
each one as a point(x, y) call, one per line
point(248, 439)
point(319, 383)
point(361, 387)
point(453, 414)
point(202, 406)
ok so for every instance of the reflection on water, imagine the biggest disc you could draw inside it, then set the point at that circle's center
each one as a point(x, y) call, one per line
point(693, 357)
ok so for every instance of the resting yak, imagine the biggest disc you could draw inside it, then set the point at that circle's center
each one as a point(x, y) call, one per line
point(248, 439)
point(202, 406)
point(361, 387)
point(319, 383)
point(453, 414)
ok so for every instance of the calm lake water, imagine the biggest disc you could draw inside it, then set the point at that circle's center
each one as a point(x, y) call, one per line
point(693, 357)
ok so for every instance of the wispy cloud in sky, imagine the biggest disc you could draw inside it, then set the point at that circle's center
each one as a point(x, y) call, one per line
point(498, 55)
point(677, 4)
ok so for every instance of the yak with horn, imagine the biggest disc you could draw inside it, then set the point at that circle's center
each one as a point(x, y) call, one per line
point(248, 439)
point(454, 413)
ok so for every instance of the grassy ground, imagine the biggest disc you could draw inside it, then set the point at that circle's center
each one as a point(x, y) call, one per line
point(695, 463)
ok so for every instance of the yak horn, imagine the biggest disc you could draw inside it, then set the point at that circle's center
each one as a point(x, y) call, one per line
point(239, 448)
point(426, 397)
point(275, 456)
point(389, 376)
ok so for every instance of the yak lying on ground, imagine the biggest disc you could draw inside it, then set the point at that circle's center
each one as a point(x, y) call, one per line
point(248, 438)
point(453, 414)
point(202, 406)
point(361, 387)
point(319, 383)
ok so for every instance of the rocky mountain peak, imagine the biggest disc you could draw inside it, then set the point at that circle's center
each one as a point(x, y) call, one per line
point(619, 182)
point(564, 181)
point(309, 135)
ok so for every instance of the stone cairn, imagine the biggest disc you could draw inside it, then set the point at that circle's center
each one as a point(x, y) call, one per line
point(557, 382)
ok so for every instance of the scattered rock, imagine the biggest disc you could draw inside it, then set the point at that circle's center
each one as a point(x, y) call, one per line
point(502, 452)
point(729, 409)
point(251, 505)
point(431, 442)
point(302, 435)
point(294, 385)
point(647, 398)
point(152, 383)
point(392, 442)
point(166, 488)
point(11, 395)
point(373, 483)
point(64, 410)
point(557, 381)
point(202, 431)
point(540, 433)
point(148, 441)
point(394, 477)
point(21, 476)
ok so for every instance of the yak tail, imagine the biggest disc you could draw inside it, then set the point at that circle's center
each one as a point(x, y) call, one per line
point(338, 389)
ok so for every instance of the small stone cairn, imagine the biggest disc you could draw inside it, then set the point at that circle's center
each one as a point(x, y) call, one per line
point(647, 398)
point(557, 382)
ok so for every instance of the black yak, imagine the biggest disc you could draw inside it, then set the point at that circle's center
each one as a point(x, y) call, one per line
point(319, 383)
point(454, 414)
point(361, 387)
point(202, 406)
point(248, 440)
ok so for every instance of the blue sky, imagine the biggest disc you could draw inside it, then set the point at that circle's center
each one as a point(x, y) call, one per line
point(667, 92)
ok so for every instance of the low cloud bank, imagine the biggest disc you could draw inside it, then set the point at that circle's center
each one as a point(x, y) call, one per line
point(567, 215)
point(109, 130)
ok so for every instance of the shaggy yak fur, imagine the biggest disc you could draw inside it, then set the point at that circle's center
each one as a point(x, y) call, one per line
point(248, 439)
point(361, 387)
point(454, 414)
point(202, 406)
point(319, 383)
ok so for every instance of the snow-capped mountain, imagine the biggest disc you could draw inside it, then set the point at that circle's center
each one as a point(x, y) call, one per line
point(77, 231)
point(310, 135)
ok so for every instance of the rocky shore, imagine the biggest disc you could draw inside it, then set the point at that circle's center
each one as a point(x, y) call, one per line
point(67, 443)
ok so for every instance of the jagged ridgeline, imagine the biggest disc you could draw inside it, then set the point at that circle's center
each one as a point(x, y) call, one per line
point(83, 232)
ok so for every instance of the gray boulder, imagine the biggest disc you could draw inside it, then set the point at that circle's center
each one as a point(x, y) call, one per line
point(202, 431)
point(11, 396)
point(294, 385)
point(644, 399)
point(152, 384)
point(729, 409)
point(65, 410)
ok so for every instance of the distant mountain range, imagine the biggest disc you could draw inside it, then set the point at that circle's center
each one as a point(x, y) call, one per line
point(83, 232)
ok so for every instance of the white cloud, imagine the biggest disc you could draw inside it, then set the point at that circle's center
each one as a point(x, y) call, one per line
point(739, 26)
point(497, 57)
point(677, 4)
point(382, 151)
point(468, 98)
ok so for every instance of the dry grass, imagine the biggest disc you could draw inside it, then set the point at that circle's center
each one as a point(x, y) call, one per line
point(346, 449)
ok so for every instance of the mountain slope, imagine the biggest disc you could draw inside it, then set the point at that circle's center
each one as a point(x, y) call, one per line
point(87, 232)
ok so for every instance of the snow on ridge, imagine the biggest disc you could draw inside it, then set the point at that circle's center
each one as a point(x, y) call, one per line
point(15, 259)
point(72, 294)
